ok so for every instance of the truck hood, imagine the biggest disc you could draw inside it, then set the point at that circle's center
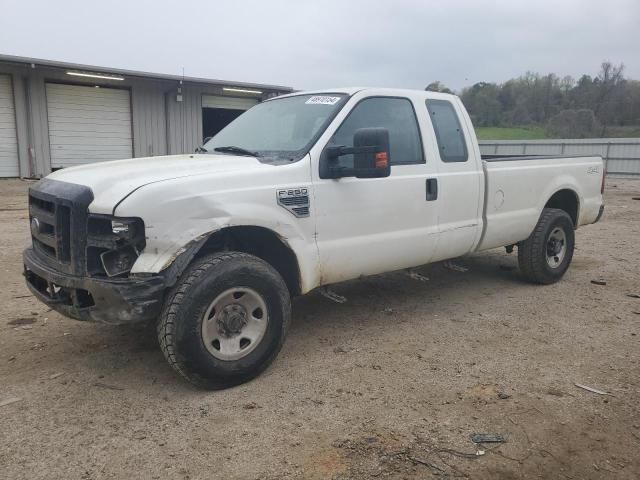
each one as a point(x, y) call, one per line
point(114, 180)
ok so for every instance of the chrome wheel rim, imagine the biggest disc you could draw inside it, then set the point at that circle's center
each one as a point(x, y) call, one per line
point(234, 323)
point(556, 247)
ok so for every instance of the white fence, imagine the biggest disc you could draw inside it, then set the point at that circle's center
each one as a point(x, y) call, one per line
point(621, 155)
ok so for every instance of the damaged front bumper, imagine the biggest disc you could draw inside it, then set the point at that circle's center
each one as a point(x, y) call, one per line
point(113, 301)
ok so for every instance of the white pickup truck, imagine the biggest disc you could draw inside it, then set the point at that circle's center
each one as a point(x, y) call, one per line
point(299, 192)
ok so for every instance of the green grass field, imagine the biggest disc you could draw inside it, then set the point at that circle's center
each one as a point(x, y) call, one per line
point(510, 133)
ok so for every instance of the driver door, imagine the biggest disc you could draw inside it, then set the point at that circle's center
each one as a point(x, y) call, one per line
point(366, 226)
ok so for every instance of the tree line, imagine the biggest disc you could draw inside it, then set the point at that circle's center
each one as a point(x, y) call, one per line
point(605, 105)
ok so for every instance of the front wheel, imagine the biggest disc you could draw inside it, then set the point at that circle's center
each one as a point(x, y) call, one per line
point(545, 256)
point(225, 321)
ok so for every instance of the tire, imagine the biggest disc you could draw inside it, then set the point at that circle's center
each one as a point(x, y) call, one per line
point(536, 258)
point(185, 336)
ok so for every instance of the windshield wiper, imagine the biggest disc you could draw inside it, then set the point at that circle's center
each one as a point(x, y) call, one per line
point(201, 149)
point(238, 150)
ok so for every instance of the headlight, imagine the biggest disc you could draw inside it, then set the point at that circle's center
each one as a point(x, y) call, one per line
point(119, 227)
point(129, 228)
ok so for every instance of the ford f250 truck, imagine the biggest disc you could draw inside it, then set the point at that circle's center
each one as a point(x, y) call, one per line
point(299, 192)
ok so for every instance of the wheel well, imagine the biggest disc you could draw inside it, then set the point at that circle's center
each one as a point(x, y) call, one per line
point(566, 200)
point(261, 242)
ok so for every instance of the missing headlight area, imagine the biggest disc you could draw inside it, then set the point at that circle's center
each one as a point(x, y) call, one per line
point(113, 245)
point(118, 262)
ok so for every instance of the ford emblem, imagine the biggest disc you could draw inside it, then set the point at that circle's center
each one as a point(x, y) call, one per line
point(35, 226)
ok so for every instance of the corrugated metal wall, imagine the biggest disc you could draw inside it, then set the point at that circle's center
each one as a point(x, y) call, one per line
point(149, 120)
point(621, 155)
point(185, 117)
point(161, 124)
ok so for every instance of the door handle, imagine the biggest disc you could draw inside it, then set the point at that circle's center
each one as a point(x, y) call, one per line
point(432, 189)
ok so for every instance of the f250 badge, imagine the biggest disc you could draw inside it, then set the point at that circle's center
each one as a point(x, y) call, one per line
point(295, 199)
point(593, 170)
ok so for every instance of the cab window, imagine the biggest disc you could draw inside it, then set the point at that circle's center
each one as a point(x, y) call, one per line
point(397, 116)
point(449, 136)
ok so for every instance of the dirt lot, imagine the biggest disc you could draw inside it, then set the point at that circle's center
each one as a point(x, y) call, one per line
point(389, 385)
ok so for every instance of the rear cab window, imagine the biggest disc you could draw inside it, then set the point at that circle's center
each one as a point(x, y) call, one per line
point(446, 124)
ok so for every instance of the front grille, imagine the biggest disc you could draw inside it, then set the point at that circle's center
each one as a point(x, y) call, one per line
point(58, 220)
point(45, 206)
point(50, 228)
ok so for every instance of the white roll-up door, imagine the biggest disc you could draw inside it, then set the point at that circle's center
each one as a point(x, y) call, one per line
point(230, 103)
point(8, 138)
point(88, 124)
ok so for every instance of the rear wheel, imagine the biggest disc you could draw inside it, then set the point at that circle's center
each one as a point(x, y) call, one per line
point(545, 256)
point(225, 321)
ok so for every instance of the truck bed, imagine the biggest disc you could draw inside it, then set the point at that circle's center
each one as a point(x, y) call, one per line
point(518, 187)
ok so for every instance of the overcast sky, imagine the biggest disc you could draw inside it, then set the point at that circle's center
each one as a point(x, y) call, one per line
point(318, 44)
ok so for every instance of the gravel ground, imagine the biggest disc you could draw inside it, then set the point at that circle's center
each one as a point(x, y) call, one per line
point(389, 385)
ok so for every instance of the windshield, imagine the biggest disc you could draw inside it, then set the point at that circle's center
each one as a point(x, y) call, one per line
point(279, 128)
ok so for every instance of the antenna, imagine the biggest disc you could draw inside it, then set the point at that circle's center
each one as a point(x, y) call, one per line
point(182, 119)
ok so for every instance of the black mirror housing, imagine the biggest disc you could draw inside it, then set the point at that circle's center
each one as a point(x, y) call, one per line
point(371, 162)
point(371, 156)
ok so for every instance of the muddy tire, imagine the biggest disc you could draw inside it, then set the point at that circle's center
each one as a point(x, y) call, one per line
point(545, 256)
point(225, 321)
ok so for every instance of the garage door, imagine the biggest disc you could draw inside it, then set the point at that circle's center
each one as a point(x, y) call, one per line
point(8, 139)
point(88, 124)
point(230, 103)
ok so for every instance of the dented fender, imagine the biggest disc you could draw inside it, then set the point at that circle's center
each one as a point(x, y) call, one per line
point(181, 213)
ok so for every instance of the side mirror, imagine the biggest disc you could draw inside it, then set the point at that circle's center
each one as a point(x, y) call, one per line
point(371, 156)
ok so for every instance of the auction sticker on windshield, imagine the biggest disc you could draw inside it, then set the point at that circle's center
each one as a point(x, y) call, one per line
point(322, 100)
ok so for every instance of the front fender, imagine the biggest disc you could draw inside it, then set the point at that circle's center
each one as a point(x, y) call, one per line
point(176, 224)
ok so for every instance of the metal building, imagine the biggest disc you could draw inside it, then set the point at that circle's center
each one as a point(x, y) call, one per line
point(57, 114)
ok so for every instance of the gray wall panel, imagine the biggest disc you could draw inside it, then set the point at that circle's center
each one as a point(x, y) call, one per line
point(149, 120)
